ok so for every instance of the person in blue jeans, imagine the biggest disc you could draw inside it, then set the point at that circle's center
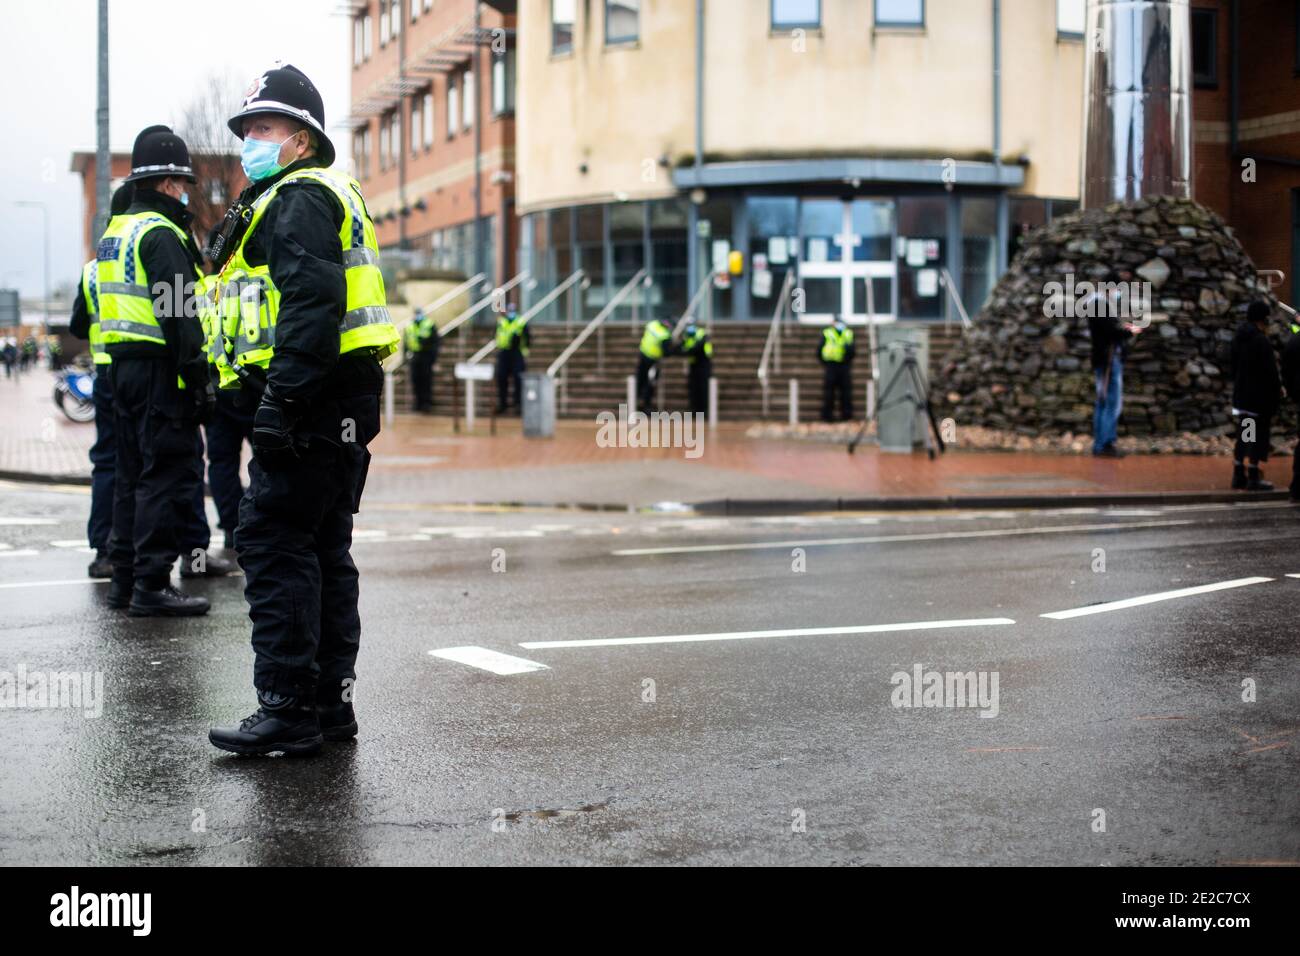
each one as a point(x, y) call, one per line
point(1110, 342)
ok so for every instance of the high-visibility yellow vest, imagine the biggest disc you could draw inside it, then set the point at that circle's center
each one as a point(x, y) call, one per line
point(249, 303)
point(205, 294)
point(507, 330)
point(835, 343)
point(125, 291)
point(695, 338)
point(90, 292)
point(418, 331)
point(654, 338)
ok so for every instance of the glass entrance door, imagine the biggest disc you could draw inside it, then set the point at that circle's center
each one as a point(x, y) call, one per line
point(845, 246)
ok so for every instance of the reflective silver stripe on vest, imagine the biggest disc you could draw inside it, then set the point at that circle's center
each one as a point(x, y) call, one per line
point(131, 328)
point(124, 288)
point(266, 340)
point(361, 256)
point(366, 315)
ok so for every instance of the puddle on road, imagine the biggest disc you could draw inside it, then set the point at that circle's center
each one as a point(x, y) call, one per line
point(517, 816)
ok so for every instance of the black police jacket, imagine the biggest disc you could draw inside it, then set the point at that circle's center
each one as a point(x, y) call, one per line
point(165, 257)
point(1255, 382)
point(1108, 339)
point(298, 239)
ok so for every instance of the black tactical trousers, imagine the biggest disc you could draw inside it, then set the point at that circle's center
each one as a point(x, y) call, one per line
point(294, 539)
point(838, 380)
point(156, 482)
point(697, 385)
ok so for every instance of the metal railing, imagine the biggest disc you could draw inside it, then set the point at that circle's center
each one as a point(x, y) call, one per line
point(528, 316)
point(945, 279)
point(691, 306)
point(452, 293)
point(772, 347)
point(479, 306)
point(596, 323)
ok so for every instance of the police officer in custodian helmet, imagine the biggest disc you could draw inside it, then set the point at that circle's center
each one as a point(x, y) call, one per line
point(303, 326)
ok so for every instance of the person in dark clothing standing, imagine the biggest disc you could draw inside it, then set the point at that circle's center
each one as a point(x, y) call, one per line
point(1256, 395)
point(699, 367)
point(513, 340)
point(421, 344)
point(161, 391)
point(1291, 379)
point(836, 351)
point(1110, 341)
point(300, 245)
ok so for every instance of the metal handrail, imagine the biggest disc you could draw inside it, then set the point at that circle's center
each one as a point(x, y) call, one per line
point(481, 304)
point(542, 303)
point(778, 314)
point(692, 306)
point(448, 296)
point(595, 323)
point(946, 278)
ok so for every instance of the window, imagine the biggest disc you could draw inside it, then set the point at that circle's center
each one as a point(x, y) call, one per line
point(428, 5)
point(383, 23)
point(395, 9)
point(467, 100)
point(396, 149)
point(415, 10)
point(417, 124)
point(622, 21)
point(385, 128)
point(900, 13)
point(503, 82)
point(358, 41)
point(361, 153)
point(1205, 48)
point(790, 14)
point(453, 107)
point(427, 115)
point(1070, 18)
point(368, 35)
point(562, 26)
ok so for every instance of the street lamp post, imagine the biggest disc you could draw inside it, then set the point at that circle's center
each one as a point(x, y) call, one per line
point(45, 264)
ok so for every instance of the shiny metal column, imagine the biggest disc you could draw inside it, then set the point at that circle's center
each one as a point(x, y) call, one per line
point(1137, 111)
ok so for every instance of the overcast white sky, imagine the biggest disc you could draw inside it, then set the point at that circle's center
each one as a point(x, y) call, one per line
point(160, 52)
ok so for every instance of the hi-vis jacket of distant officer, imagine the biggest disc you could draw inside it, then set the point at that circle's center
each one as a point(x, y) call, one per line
point(304, 325)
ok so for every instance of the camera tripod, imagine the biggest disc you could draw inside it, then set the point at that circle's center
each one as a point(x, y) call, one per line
point(909, 372)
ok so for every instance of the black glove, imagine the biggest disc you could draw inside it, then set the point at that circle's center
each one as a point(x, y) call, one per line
point(205, 403)
point(273, 423)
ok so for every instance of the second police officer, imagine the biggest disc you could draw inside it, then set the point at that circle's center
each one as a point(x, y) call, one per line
point(304, 325)
point(512, 339)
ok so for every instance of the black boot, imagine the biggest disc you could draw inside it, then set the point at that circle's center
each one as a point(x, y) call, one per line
point(337, 721)
point(166, 601)
point(101, 567)
point(1255, 481)
point(1238, 477)
point(213, 566)
point(281, 724)
point(119, 592)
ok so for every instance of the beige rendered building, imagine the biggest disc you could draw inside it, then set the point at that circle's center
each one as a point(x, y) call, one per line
point(890, 140)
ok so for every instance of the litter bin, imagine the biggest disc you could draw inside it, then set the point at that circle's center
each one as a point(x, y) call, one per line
point(904, 362)
point(539, 405)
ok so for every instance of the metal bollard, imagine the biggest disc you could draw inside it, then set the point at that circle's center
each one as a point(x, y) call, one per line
point(631, 394)
point(469, 405)
point(794, 401)
point(713, 402)
point(389, 388)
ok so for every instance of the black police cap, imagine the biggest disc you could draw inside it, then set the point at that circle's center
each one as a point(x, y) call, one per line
point(159, 152)
point(285, 90)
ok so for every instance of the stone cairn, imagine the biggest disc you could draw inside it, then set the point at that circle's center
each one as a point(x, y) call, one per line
point(1023, 372)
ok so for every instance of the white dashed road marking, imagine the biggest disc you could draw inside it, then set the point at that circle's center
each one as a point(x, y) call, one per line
point(487, 660)
point(1152, 598)
point(891, 538)
point(785, 632)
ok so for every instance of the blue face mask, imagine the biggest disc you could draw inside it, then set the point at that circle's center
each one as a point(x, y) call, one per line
point(261, 158)
point(185, 199)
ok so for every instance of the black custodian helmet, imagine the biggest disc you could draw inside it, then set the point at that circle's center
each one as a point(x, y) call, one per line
point(287, 91)
point(159, 152)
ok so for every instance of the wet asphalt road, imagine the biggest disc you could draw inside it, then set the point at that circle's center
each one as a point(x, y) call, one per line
point(1135, 711)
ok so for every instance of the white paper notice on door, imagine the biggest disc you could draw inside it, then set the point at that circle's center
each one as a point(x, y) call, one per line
point(927, 283)
point(916, 253)
point(818, 250)
point(761, 284)
point(777, 251)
